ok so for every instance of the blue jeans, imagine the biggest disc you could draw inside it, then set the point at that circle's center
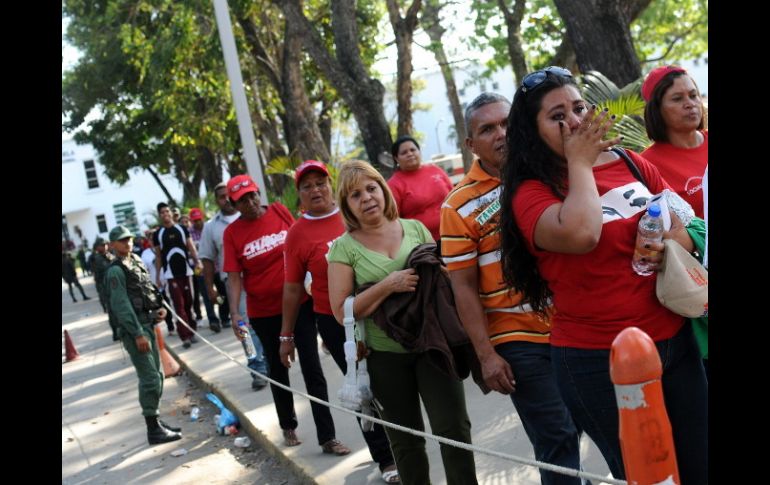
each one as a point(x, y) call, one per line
point(258, 363)
point(545, 417)
point(583, 376)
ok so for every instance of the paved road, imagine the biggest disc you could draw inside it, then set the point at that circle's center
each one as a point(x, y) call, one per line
point(102, 379)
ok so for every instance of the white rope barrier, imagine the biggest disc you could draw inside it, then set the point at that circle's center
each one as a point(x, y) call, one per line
point(458, 444)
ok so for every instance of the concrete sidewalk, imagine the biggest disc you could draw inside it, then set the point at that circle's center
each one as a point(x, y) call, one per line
point(495, 424)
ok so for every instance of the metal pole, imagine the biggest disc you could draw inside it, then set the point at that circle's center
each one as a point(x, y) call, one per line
point(233, 66)
point(438, 139)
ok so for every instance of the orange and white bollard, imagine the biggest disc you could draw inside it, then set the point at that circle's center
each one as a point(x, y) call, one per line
point(646, 441)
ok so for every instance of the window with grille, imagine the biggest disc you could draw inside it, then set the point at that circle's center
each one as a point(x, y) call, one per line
point(101, 221)
point(91, 177)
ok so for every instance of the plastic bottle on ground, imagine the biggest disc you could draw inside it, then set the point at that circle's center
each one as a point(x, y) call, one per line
point(650, 231)
point(194, 413)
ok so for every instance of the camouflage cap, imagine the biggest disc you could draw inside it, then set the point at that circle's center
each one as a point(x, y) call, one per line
point(120, 232)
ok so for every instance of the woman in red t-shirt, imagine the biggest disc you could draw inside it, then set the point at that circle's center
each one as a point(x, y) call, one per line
point(675, 122)
point(419, 190)
point(305, 251)
point(253, 249)
point(570, 210)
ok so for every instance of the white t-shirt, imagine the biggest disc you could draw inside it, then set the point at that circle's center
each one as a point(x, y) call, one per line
point(148, 258)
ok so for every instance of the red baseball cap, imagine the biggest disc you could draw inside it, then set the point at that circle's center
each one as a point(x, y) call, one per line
point(306, 167)
point(654, 77)
point(195, 214)
point(240, 185)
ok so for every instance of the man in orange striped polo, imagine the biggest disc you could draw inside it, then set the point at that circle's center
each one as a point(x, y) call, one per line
point(510, 340)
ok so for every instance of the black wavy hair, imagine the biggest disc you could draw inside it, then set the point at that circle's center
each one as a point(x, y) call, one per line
point(528, 158)
point(397, 144)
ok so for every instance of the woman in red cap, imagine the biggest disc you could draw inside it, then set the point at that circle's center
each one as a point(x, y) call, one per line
point(674, 118)
point(308, 242)
point(419, 190)
point(253, 248)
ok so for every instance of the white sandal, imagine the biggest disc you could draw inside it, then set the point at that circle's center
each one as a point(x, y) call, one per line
point(391, 476)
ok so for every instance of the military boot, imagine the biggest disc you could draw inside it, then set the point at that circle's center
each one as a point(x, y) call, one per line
point(158, 434)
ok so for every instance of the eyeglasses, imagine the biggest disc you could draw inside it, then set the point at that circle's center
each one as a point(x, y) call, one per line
point(535, 79)
point(240, 185)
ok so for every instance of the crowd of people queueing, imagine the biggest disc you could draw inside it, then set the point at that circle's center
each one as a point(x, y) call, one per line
point(528, 256)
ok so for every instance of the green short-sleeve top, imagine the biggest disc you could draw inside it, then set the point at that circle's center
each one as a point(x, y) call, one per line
point(371, 267)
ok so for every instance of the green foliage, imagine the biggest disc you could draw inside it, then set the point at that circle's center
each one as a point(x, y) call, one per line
point(626, 104)
point(675, 30)
point(667, 31)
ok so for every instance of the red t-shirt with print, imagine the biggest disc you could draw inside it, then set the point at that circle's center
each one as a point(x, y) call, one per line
point(255, 249)
point(597, 294)
point(308, 242)
point(419, 195)
point(682, 169)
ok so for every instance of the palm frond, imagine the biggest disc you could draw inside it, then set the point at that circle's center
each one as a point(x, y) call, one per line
point(634, 134)
point(597, 88)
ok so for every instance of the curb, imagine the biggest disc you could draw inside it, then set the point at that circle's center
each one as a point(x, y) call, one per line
point(246, 425)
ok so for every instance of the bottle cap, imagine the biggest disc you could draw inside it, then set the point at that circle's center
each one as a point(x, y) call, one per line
point(654, 210)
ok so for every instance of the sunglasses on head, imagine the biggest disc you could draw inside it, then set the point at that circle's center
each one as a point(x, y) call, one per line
point(535, 79)
point(239, 185)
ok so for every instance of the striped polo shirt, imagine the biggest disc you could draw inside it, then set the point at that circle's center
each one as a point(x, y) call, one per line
point(470, 217)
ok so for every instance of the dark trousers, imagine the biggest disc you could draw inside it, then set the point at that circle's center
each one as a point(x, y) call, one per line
point(179, 288)
point(333, 335)
point(148, 370)
point(306, 343)
point(72, 293)
point(200, 292)
point(399, 381)
point(169, 316)
point(543, 414)
point(583, 376)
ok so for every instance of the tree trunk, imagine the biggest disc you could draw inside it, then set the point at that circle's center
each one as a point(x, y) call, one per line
point(303, 136)
point(162, 186)
point(431, 24)
point(513, 25)
point(565, 55)
point(211, 168)
point(325, 124)
point(403, 29)
point(599, 31)
point(362, 94)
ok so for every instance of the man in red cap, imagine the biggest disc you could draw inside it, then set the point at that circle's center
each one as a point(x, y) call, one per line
point(199, 283)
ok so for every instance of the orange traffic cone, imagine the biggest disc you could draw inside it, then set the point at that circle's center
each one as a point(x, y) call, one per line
point(69, 347)
point(170, 366)
point(646, 442)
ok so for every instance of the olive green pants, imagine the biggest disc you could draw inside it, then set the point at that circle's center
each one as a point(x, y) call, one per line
point(399, 381)
point(148, 369)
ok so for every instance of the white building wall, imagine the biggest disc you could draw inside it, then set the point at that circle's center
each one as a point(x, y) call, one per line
point(80, 205)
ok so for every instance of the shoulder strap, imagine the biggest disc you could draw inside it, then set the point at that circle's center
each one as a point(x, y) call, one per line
point(630, 164)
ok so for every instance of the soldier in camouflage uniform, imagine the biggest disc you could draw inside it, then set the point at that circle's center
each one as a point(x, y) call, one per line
point(101, 259)
point(136, 306)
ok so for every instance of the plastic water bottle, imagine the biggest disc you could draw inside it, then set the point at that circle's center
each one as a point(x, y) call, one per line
point(194, 413)
point(650, 231)
point(247, 342)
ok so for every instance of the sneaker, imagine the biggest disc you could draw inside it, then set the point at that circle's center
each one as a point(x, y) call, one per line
point(257, 383)
point(215, 327)
point(186, 344)
point(193, 339)
point(86, 298)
